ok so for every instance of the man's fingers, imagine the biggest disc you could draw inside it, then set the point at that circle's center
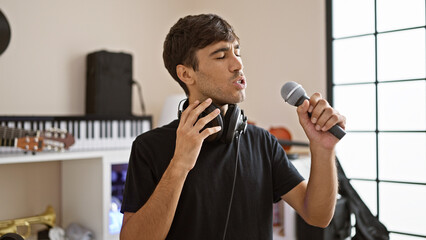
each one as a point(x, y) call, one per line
point(186, 112)
point(326, 115)
point(303, 108)
point(209, 131)
point(202, 122)
point(191, 114)
point(333, 120)
point(192, 124)
point(323, 116)
point(318, 110)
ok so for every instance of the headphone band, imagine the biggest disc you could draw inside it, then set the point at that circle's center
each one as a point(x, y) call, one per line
point(232, 123)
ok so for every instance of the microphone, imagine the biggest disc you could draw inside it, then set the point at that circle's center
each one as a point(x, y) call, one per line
point(294, 94)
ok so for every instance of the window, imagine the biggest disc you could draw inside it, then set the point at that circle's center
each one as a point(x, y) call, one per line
point(376, 60)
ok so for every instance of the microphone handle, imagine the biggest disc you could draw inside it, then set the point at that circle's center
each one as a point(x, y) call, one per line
point(336, 130)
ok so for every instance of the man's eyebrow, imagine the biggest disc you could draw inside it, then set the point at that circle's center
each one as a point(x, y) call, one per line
point(224, 49)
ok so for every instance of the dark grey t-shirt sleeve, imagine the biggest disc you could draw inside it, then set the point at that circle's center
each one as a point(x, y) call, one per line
point(285, 175)
point(140, 180)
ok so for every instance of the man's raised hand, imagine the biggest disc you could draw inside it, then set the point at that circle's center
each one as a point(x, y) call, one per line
point(189, 137)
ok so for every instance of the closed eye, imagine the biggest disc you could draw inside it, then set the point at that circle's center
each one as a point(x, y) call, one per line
point(237, 52)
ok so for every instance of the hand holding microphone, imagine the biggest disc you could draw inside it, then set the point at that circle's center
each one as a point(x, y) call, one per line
point(295, 95)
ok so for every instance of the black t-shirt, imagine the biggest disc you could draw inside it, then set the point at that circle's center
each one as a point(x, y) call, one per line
point(264, 175)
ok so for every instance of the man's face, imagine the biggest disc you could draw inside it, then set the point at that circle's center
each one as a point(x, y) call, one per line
point(220, 74)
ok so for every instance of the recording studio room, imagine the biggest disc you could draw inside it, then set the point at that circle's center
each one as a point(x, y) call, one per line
point(81, 80)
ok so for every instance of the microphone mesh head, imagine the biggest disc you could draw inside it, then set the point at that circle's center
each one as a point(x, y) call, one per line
point(292, 92)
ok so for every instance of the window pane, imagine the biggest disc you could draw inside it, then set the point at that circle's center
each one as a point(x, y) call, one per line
point(347, 20)
point(402, 156)
point(360, 112)
point(403, 208)
point(394, 236)
point(368, 192)
point(354, 60)
point(357, 154)
point(402, 106)
point(399, 14)
point(401, 55)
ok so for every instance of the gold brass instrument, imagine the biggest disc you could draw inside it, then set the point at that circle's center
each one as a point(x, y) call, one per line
point(11, 226)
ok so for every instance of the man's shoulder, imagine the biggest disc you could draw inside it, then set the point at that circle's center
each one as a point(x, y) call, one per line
point(257, 131)
point(252, 127)
point(258, 137)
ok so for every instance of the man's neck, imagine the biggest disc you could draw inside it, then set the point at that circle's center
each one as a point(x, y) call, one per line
point(223, 107)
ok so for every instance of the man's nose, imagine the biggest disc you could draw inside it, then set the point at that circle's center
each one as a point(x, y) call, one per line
point(236, 64)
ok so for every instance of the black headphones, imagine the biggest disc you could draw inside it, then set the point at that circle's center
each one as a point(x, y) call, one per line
point(232, 123)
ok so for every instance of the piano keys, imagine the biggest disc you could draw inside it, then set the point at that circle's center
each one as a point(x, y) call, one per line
point(91, 133)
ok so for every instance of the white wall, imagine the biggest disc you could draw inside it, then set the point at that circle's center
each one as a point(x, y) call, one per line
point(43, 70)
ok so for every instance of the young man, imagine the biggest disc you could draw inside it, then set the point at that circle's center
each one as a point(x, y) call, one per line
point(181, 186)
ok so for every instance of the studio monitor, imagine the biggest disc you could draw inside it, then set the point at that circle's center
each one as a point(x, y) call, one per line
point(109, 78)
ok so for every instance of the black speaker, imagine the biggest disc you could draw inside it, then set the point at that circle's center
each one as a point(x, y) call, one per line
point(109, 77)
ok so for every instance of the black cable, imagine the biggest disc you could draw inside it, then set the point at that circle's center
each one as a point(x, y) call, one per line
point(140, 96)
point(233, 184)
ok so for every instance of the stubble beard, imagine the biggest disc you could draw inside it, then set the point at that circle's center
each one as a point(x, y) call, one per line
point(219, 97)
point(217, 94)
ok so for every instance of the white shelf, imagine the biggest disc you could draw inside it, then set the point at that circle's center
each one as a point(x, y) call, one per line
point(83, 201)
point(52, 156)
point(85, 185)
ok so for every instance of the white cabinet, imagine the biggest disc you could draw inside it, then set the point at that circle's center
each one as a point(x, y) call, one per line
point(84, 186)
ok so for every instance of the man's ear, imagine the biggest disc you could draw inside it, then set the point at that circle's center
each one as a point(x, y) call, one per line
point(185, 74)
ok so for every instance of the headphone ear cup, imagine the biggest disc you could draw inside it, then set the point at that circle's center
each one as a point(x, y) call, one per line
point(184, 106)
point(217, 121)
point(231, 120)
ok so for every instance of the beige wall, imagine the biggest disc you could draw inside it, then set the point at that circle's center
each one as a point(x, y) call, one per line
point(43, 70)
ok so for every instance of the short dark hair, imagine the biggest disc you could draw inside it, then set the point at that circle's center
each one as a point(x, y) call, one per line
point(190, 34)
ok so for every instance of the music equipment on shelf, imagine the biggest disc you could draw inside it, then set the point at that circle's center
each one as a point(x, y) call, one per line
point(90, 132)
point(35, 141)
point(47, 218)
point(11, 236)
point(109, 80)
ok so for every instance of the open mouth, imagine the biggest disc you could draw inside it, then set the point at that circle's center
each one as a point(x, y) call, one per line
point(241, 83)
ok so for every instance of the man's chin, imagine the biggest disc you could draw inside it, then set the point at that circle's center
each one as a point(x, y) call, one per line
point(231, 101)
point(242, 97)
